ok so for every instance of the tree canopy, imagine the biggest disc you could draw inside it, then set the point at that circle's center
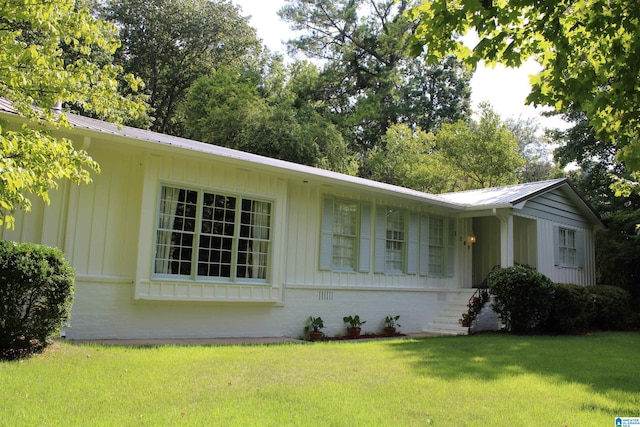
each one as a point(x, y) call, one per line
point(46, 51)
point(410, 159)
point(535, 148)
point(483, 151)
point(169, 44)
point(464, 155)
point(369, 81)
point(266, 114)
point(589, 51)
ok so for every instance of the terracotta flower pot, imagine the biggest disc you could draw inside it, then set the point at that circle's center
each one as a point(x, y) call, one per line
point(315, 335)
point(389, 331)
point(354, 332)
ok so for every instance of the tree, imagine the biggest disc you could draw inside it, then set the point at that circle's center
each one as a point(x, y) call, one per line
point(534, 149)
point(369, 80)
point(171, 43)
point(265, 115)
point(617, 249)
point(589, 51)
point(37, 69)
point(485, 152)
point(461, 156)
point(410, 159)
point(596, 161)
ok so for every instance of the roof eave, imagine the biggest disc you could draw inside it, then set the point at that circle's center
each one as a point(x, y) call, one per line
point(283, 168)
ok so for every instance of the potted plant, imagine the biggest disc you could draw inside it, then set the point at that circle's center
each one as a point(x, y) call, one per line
point(466, 319)
point(314, 324)
point(474, 307)
point(390, 323)
point(355, 325)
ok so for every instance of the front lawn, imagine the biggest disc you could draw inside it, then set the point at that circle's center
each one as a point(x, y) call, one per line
point(485, 380)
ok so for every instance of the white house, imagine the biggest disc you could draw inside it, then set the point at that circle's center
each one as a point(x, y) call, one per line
point(177, 238)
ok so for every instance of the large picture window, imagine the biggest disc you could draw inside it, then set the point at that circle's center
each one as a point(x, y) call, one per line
point(208, 235)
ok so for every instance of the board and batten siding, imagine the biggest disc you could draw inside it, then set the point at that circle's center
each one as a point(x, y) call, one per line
point(552, 210)
point(94, 224)
point(304, 235)
point(44, 224)
point(192, 172)
point(584, 275)
point(554, 206)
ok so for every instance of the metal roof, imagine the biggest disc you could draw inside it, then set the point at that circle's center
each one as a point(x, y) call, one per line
point(511, 194)
point(94, 125)
point(463, 200)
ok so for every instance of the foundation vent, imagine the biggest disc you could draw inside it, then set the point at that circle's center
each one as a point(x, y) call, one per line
point(325, 295)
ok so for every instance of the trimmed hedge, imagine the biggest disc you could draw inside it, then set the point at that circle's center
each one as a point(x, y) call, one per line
point(523, 298)
point(611, 307)
point(36, 294)
point(571, 309)
point(529, 302)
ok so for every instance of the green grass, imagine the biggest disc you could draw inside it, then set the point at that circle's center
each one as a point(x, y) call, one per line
point(487, 380)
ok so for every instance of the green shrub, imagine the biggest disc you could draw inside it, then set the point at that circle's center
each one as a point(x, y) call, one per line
point(36, 293)
point(571, 309)
point(611, 307)
point(522, 298)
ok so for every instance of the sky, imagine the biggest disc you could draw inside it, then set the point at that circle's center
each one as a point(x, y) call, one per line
point(505, 89)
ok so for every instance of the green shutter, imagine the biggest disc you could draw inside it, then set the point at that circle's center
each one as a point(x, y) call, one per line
point(450, 248)
point(424, 245)
point(556, 245)
point(580, 248)
point(413, 246)
point(364, 259)
point(326, 238)
point(381, 239)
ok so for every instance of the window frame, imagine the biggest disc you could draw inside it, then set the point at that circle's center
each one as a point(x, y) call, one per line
point(446, 246)
point(393, 239)
point(382, 240)
point(198, 233)
point(567, 249)
point(363, 240)
point(354, 237)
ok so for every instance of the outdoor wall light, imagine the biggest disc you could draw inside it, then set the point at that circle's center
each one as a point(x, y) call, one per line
point(470, 239)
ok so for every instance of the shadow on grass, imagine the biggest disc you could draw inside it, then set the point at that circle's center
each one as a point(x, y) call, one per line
point(603, 361)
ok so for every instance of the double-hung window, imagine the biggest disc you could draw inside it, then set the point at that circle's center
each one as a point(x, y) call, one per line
point(346, 235)
point(436, 246)
point(395, 242)
point(391, 241)
point(215, 236)
point(569, 247)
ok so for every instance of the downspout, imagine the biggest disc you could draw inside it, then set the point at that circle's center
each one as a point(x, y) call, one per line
point(57, 109)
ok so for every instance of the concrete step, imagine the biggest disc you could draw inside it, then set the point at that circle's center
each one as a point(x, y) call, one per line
point(447, 322)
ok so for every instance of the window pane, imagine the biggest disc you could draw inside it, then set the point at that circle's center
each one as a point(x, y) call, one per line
point(226, 241)
point(216, 235)
point(567, 246)
point(175, 233)
point(345, 230)
point(436, 246)
point(394, 251)
point(343, 251)
point(254, 244)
